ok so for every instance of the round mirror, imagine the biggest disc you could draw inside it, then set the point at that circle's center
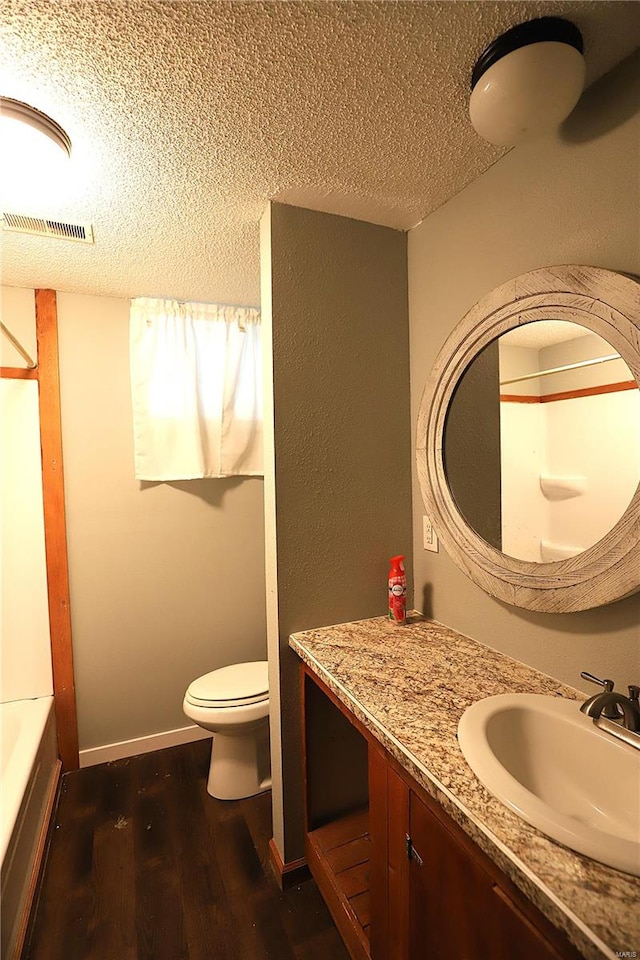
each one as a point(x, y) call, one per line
point(542, 441)
point(528, 444)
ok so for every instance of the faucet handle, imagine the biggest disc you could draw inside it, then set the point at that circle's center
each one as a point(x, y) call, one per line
point(608, 706)
point(634, 693)
point(607, 684)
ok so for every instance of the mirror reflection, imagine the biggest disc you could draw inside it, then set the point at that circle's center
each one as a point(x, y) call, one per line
point(542, 441)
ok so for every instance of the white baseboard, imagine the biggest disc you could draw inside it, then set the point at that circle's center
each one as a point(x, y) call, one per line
point(131, 748)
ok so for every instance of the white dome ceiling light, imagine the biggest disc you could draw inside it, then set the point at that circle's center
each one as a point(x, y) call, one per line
point(34, 156)
point(527, 81)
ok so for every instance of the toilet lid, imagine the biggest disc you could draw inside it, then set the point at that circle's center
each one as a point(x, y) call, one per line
point(239, 683)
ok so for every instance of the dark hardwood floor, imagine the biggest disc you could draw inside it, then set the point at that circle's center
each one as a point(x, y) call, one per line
point(144, 865)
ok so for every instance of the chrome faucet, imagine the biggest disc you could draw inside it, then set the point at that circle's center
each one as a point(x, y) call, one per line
point(612, 705)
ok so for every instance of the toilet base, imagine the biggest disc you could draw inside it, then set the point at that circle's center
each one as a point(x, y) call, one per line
point(240, 765)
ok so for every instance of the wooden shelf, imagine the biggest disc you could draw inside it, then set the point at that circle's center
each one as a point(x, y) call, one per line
point(338, 855)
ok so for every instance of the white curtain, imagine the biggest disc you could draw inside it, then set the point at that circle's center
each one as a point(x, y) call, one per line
point(196, 385)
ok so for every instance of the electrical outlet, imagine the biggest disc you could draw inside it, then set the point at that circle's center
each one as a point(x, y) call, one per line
point(429, 536)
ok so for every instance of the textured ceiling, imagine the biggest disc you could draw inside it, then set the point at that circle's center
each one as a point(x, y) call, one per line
point(187, 117)
point(544, 333)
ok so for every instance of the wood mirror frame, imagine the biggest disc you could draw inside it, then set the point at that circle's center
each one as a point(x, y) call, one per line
point(603, 301)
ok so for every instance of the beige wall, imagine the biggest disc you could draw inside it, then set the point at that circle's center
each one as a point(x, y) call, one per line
point(338, 492)
point(167, 579)
point(571, 200)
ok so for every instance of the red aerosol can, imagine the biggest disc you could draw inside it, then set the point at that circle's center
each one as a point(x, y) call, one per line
point(397, 591)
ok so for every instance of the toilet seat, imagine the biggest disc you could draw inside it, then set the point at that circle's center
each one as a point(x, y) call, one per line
point(238, 685)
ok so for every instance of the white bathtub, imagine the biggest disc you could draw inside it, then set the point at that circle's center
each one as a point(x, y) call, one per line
point(28, 780)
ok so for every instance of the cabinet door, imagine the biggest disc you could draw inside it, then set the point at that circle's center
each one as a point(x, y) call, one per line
point(451, 897)
point(515, 934)
point(456, 909)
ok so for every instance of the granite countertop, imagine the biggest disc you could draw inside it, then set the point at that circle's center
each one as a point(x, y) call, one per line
point(409, 686)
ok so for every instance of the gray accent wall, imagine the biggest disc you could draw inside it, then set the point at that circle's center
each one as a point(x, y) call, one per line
point(571, 198)
point(338, 477)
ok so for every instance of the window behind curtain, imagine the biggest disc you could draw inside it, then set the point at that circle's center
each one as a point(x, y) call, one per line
point(196, 385)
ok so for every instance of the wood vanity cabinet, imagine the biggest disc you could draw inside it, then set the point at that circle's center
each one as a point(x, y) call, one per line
point(457, 907)
point(402, 880)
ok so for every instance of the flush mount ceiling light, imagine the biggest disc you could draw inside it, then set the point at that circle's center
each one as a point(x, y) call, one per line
point(34, 155)
point(20, 122)
point(527, 81)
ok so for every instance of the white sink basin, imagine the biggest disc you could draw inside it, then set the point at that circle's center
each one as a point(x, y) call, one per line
point(552, 766)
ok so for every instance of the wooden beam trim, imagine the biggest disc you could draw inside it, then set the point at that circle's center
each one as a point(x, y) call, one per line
point(18, 373)
point(570, 394)
point(518, 398)
point(55, 531)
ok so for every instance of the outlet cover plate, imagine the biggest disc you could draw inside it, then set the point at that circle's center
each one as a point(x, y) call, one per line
point(429, 536)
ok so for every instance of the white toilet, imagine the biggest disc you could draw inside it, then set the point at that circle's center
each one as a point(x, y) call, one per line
point(233, 702)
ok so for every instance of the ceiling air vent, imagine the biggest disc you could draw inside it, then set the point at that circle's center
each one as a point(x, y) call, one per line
point(37, 227)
